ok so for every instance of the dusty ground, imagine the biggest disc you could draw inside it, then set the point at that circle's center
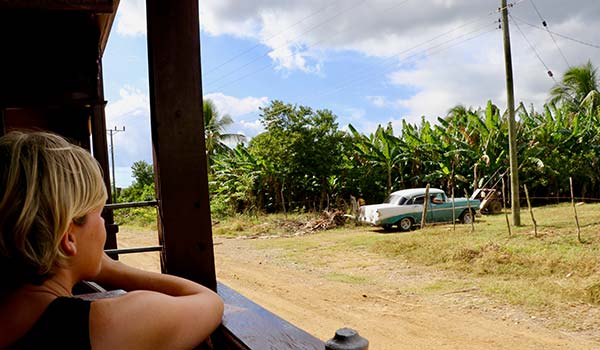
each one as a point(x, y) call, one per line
point(375, 296)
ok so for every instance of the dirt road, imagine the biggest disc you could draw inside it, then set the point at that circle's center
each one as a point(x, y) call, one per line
point(375, 298)
point(380, 310)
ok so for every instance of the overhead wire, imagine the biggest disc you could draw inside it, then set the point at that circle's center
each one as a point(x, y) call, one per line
point(351, 83)
point(409, 59)
point(339, 88)
point(273, 36)
point(268, 65)
point(558, 34)
point(384, 60)
point(357, 4)
point(209, 83)
point(545, 24)
point(548, 70)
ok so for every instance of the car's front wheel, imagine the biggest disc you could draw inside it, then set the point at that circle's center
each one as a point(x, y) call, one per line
point(405, 224)
point(467, 217)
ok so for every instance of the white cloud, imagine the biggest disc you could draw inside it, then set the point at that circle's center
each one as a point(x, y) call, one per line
point(355, 113)
point(254, 127)
point(131, 18)
point(239, 109)
point(236, 107)
point(132, 111)
point(378, 101)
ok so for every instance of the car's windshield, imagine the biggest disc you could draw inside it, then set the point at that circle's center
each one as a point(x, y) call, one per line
point(395, 199)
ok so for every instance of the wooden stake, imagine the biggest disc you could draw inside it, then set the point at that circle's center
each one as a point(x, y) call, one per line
point(453, 212)
point(575, 211)
point(531, 211)
point(470, 212)
point(504, 208)
point(425, 205)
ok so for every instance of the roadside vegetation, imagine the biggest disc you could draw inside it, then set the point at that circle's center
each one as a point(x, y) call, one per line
point(552, 275)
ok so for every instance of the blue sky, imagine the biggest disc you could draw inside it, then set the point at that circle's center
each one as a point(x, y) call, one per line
point(369, 61)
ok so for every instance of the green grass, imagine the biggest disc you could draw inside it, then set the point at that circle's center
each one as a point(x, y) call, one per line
point(550, 269)
point(346, 278)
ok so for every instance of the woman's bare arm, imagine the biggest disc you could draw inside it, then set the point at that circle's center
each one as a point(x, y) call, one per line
point(159, 312)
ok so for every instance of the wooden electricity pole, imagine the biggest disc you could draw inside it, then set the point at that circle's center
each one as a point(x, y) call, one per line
point(512, 132)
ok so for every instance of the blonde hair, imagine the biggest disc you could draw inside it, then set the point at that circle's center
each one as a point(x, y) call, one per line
point(45, 184)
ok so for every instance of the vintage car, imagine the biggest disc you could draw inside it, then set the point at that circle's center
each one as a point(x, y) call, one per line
point(405, 209)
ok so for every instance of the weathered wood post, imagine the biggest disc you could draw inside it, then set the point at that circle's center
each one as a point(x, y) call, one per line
point(470, 211)
point(531, 212)
point(504, 207)
point(575, 210)
point(453, 211)
point(425, 205)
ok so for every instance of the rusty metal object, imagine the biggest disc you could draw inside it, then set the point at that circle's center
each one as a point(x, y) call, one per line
point(347, 339)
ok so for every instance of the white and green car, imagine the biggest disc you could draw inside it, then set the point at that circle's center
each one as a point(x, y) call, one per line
point(405, 209)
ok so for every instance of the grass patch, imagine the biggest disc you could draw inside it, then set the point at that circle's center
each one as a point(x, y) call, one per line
point(551, 269)
point(345, 278)
point(143, 218)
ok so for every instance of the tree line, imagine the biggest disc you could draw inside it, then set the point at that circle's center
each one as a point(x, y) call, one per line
point(303, 161)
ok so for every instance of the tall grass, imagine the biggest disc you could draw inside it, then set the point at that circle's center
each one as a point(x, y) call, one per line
point(551, 269)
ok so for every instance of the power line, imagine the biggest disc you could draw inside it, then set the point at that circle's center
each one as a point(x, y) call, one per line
point(336, 34)
point(360, 2)
point(386, 59)
point(558, 34)
point(533, 49)
point(290, 55)
point(549, 33)
point(274, 36)
point(352, 83)
point(414, 56)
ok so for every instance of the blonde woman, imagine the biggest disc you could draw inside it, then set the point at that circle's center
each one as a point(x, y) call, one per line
point(52, 236)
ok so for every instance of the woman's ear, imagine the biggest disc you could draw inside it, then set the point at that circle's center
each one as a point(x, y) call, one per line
point(68, 242)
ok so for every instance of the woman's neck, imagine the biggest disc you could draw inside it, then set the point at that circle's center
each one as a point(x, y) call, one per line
point(59, 285)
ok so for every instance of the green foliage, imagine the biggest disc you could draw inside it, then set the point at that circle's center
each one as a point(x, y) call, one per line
point(298, 153)
point(303, 162)
point(142, 189)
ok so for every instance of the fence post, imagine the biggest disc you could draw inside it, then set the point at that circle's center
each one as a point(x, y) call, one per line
point(504, 208)
point(531, 211)
point(453, 211)
point(575, 210)
point(425, 205)
point(470, 212)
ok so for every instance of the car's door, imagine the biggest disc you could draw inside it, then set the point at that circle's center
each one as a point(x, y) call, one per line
point(441, 208)
point(417, 203)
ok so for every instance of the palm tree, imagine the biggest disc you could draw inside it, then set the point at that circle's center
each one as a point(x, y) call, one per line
point(214, 130)
point(578, 89)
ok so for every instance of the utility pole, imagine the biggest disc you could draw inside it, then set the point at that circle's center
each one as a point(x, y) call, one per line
point(512, 130)
point(111, 132)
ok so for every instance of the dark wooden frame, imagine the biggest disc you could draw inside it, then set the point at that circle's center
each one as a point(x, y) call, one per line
point(176, 122)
